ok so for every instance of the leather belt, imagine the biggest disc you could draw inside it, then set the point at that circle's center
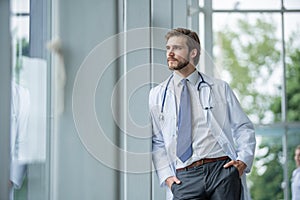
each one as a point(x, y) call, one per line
point(202, 162)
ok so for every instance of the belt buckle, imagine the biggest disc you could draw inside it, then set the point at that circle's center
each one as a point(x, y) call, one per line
point(202, 162)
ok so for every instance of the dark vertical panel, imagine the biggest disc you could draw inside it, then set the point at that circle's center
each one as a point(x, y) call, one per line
point(83, 26)
point(38, 28)
point(195, 17)
point(5, 90)
point(39, 34)
point(162, 17)
point(179, 13)
point(167, 14)
point(162, 13)
point(138, 17)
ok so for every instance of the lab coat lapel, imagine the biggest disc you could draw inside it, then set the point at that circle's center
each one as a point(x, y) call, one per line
point(217, 118)
point(170, 105)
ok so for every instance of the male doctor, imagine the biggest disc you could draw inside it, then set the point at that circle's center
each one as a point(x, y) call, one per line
point(202, 141)
point(20, 107)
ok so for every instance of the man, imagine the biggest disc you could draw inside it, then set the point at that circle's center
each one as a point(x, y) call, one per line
point(296, 176)
point(20, 105)
point(203, 143)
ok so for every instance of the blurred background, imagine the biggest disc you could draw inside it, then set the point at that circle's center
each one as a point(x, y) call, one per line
point(254, 45)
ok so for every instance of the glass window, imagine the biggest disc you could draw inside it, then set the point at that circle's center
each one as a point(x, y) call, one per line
point(267, 167)
point(292, 4)
point(247, 49)
point(247, 5)
point(292, 32)
point(201, 3)
point(248, 53)
point(20, 6)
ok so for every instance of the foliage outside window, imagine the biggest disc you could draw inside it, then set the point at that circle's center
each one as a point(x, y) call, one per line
point(250, 55)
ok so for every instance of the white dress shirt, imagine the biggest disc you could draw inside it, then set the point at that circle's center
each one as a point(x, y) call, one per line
point(204, 143)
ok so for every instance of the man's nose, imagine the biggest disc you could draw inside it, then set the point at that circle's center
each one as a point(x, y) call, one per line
point(171, 52)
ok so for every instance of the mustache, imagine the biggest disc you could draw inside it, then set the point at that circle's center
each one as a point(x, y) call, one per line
point(171, 59)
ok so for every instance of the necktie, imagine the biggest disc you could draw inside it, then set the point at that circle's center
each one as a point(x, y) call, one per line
point(184, 137)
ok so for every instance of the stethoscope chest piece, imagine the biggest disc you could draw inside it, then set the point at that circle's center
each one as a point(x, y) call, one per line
point(161, 117)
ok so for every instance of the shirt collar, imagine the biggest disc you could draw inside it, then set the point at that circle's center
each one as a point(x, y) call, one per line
point(193, 78)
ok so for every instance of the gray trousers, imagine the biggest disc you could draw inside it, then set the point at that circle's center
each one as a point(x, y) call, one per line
point(208, 182)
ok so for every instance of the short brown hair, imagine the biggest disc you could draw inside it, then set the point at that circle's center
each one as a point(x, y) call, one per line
point(193, 41)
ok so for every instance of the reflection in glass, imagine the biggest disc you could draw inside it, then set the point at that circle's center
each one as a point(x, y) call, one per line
point(29, 101)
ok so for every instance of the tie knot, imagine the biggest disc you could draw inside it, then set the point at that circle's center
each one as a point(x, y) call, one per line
point(184, 81)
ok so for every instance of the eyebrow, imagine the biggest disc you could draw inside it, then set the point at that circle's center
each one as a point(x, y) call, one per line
point(175, 46)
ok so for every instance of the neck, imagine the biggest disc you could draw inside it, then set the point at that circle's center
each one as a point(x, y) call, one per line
point(186, 71)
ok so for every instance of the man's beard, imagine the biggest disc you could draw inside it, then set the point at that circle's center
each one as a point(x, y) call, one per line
point(180, 65)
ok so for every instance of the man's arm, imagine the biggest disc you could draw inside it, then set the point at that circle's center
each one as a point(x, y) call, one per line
point(159, 154)
point(242, 131)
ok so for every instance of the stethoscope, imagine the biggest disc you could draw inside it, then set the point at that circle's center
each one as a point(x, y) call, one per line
point(207, 101)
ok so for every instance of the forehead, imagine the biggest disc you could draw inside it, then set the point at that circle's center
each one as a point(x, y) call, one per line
point(297, 152)
point(177, 40)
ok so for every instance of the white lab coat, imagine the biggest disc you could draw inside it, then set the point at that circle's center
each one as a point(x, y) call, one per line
point(227, 121)
point(20, 103)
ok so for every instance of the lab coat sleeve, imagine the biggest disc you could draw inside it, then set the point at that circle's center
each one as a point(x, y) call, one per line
point(18, 168)
point(242, 130)
point(159, 154)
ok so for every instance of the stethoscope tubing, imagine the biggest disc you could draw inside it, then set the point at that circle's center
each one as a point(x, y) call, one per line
point(166, 88)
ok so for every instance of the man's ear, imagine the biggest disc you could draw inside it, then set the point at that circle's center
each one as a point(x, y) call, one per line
point(193, 53)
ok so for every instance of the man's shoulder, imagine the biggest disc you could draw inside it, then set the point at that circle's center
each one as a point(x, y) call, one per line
point(160, 86)
point(157, 92)
point(213, 80)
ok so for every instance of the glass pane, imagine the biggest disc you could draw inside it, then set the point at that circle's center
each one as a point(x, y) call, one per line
point(269, 160)
point(292, 4)
point(201, 37)
point(28, 174)
point(20, 6)
point(292, 38)
point(247, 51)
point(267, 169)
point(246, 4)
point(20, 27)
point(293, 142)
point(201, 3)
